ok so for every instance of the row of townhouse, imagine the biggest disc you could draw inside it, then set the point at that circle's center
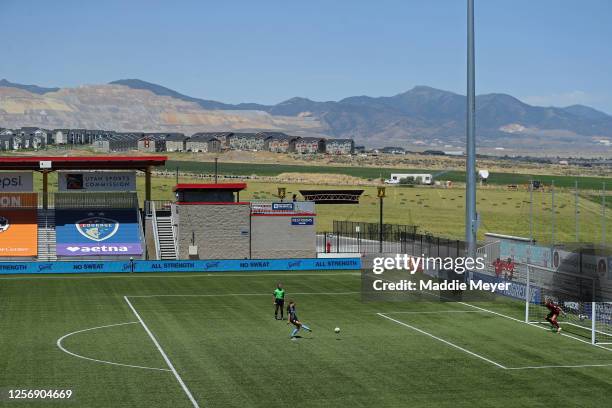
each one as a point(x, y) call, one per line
point(276, 142)
point(117, 142)
point(37, 138)
point(24, 138)
point(107, 141)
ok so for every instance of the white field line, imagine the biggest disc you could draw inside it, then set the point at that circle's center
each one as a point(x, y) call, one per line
point(558, 366)
point(564, 323)
point(436, 312)
point(61, 347)
point(145, 275)
point(484, 358)
point(442, 340)
point(164, 355)
point(534, 325)
point(586, 328)
point(243, 294)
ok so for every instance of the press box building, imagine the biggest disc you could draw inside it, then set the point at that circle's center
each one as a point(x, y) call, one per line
point(211, 222)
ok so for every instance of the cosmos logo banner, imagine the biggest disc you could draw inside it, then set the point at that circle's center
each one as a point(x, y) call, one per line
point(97, 228)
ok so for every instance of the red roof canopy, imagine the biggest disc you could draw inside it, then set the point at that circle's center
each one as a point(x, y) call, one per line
point(81, 162)
point(219, 186)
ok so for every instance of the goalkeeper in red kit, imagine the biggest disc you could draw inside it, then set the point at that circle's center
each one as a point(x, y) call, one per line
point(554, 311)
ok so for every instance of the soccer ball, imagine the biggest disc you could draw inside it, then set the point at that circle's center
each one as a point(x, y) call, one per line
point(337, 330)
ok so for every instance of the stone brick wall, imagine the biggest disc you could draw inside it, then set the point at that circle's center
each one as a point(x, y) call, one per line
point(174, 146)
point(275, 237)
point(221, 231)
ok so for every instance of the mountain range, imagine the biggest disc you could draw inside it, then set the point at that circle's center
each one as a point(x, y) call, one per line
point(422, 117)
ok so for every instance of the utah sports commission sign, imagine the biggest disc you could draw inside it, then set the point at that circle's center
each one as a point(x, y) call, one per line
point(97, 181)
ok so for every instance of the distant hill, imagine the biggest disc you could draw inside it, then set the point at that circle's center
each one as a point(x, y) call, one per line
point(163, 91)
point(30, 88)
point(422, 117)
point(120, 108)
point(425, 113)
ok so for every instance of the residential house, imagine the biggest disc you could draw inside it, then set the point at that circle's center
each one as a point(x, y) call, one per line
point(76, 136)
point(309, 145)
point(6, 139)
point(203, 142)
point(152, 142)
point(392, 150)
point(92, 135)
point(278, 142)
point(26, 134)
point(223, 138)
point(340, 146)
point(60, 136)
point(247, 141)
point(118, 142)
point(40, 138)
point(19, 142)
point(176, 142)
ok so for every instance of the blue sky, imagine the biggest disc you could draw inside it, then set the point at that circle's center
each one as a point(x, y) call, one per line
point(546, 52)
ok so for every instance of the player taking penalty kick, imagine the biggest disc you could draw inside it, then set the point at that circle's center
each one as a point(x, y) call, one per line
point(554, 311)
point(293, 319)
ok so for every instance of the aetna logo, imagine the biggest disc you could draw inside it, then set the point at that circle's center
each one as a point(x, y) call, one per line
point(101, 248)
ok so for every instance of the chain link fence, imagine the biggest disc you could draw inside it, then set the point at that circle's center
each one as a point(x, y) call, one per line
point(395, 242)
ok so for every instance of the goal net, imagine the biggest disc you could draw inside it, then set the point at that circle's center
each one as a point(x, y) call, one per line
point(581, 298)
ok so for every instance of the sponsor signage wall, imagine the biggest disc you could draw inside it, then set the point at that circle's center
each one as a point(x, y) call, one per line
point(97, 233)
point(286, 206)
point(229, 265)
point(16, 181)
point(516, 290)
point(97, 181)
point(18, 233)
point(573, 262)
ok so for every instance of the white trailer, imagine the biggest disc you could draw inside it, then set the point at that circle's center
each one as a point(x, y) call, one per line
point(421, 178)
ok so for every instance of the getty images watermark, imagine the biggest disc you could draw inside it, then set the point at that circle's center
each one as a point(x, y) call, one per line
point(414, 264)
point(408, 273)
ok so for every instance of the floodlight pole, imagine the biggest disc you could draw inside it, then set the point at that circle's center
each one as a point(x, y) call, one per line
point(531, 211)
point(380, 227)
point(381, 197)
point(470, 196)
point(603, 214)
point(576, 210)
point(552, 213)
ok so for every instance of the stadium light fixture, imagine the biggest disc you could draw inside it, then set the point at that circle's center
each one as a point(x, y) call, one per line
point(381, 196)
point(471, 224)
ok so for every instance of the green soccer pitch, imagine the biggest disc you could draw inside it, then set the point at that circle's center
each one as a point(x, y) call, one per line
point(210, 340)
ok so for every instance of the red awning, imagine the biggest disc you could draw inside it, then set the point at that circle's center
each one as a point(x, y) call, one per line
point(219, 186)
point(81, 162)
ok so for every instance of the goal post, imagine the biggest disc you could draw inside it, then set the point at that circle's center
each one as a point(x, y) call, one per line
point(585, 314)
